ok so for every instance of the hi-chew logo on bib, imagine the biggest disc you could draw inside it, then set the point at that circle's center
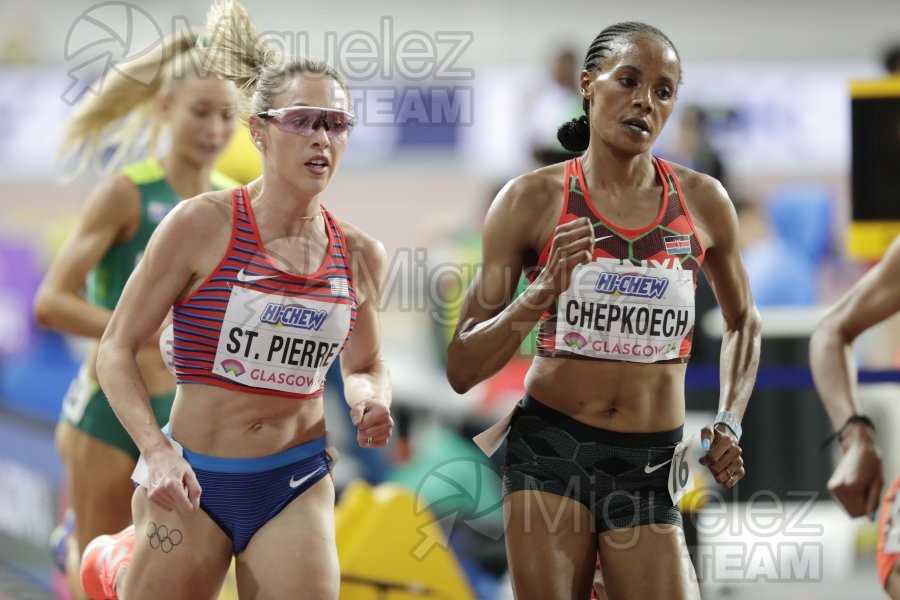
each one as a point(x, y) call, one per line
point(632, 284)
point(614, 309)
point(278, 342)
point(293, 315)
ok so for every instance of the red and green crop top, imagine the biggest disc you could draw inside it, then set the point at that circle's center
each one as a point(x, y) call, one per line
point(635, 301)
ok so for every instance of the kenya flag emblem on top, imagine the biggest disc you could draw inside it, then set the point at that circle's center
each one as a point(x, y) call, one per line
point(677, 244)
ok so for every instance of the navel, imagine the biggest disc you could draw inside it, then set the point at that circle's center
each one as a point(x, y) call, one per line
point(610, 411)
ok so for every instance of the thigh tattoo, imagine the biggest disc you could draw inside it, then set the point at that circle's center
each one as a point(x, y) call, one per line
point(163, 538)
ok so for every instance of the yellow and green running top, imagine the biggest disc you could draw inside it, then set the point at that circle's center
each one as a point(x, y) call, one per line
point(107, 279)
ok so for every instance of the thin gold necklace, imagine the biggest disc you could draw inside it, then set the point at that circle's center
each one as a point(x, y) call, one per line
point(308, 218)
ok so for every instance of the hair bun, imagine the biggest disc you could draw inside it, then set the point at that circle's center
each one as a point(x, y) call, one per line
point(574, 135)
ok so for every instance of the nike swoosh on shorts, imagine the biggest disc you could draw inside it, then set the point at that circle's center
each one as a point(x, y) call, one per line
point(298, 482)
point(649, 469)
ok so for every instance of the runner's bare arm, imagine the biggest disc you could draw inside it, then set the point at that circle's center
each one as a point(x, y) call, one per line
point(112, 210)
point(739, 359)
point(874, 298)
point(365, 374)
point(491, 327)
point(724, 269)
point(165, 271)
point(859, 476)
point(367, 381)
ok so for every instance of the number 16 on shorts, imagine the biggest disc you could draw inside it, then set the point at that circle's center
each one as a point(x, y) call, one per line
point(681, 477)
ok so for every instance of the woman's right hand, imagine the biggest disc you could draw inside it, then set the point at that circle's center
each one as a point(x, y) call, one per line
point(171, 482)
point(572, 245)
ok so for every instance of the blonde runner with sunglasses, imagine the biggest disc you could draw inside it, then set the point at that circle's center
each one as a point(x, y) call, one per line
point(267, 288)
point(198, 114)
point(306, 120)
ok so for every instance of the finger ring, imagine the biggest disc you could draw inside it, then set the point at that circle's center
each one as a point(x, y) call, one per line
point(730, 474)
point(369, 441)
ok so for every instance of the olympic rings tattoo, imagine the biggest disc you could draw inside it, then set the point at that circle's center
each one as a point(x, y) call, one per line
point(163, 538)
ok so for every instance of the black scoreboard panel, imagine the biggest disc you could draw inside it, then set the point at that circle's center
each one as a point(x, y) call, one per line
point(875, 166)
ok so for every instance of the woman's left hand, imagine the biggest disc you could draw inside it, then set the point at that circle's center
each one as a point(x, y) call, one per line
point(723, 459)
point(373, 423)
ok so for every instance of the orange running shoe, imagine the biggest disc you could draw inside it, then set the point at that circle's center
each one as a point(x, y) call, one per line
point(102, 559)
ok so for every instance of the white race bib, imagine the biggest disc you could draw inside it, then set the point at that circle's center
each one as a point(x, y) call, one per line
point(279, 342)
point(615, 310)
point(681, 476)
point(489, 440)
point(167, 347)
point(892, 535)
point(79, 395)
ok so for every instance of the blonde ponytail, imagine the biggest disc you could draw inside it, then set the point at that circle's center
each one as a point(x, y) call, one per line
point(234, 50)
point(124, 115)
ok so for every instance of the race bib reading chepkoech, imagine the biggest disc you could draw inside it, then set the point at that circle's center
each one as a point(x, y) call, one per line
point(616, 310)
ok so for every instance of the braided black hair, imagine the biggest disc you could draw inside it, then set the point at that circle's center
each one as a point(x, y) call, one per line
point(575, 135)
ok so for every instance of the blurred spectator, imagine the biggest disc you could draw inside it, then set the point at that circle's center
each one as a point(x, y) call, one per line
point(803, 216)
point(558, 100)
point(692, 147)
point(779, 274)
